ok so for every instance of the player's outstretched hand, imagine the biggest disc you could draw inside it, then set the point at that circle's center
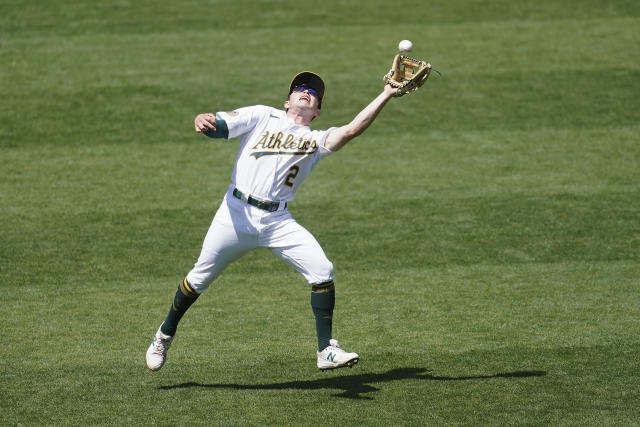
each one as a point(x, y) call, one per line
point(390, 90)
point(204, 122)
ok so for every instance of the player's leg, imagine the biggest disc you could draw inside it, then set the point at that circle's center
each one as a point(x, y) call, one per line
point(183, 299)
point(323, 301)
point(157, 352)
point(225, 242)
point(296, 245)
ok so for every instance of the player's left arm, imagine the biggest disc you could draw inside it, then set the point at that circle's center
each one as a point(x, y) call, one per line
point(338, 137)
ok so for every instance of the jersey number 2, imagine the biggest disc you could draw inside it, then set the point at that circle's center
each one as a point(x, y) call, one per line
point(293, 172)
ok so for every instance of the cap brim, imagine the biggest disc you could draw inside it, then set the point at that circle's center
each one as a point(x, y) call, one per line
point(308, 78)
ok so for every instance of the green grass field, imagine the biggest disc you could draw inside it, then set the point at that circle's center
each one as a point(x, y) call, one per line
point(485, 230)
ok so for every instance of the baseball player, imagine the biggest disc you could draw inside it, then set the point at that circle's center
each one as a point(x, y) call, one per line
point(277, 152)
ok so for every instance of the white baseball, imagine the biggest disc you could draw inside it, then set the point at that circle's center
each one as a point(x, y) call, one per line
point(405, 46)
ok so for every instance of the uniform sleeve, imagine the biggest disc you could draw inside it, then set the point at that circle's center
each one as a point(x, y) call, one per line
point(322, 150)
point(241, 120)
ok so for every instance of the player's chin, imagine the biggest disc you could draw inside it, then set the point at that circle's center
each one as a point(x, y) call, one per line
point(312, 103)
point(306, 106)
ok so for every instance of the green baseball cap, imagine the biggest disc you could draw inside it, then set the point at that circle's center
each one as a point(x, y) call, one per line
point(310, 79)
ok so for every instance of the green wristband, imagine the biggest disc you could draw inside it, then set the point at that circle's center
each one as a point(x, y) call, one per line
point(222, 130)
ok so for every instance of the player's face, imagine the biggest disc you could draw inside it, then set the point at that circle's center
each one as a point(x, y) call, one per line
point(307, 89)
point(304, 96)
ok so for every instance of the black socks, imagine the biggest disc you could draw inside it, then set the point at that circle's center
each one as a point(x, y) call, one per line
point(323, 299)
point(185, 296)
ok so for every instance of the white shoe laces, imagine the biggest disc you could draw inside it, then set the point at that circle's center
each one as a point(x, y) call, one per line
point(333, 346)
point(160, 346)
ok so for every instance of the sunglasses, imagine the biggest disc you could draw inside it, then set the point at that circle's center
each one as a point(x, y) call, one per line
point(308, 89)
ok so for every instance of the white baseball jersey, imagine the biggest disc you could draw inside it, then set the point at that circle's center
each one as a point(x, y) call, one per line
point(274, 157)
point(275, 154)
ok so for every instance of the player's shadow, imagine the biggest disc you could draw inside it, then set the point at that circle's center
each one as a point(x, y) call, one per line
point(353, 386)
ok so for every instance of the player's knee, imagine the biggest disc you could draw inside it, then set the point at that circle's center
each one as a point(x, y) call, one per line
point(323, 273)
point(323, 287)
point(199, 282)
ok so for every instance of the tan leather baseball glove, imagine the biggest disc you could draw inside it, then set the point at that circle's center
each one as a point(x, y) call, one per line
point(407, 74)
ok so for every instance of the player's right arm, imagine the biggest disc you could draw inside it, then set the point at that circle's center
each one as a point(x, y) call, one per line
point(231, 124)
point(205, 121)
point(207, 124)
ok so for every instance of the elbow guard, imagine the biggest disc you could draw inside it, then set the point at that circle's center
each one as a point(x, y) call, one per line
point(222, 130)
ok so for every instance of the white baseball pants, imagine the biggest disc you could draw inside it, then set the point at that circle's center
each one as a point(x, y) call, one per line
point(239, 227)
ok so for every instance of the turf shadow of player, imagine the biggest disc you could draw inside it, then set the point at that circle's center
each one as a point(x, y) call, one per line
point(353, 386)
